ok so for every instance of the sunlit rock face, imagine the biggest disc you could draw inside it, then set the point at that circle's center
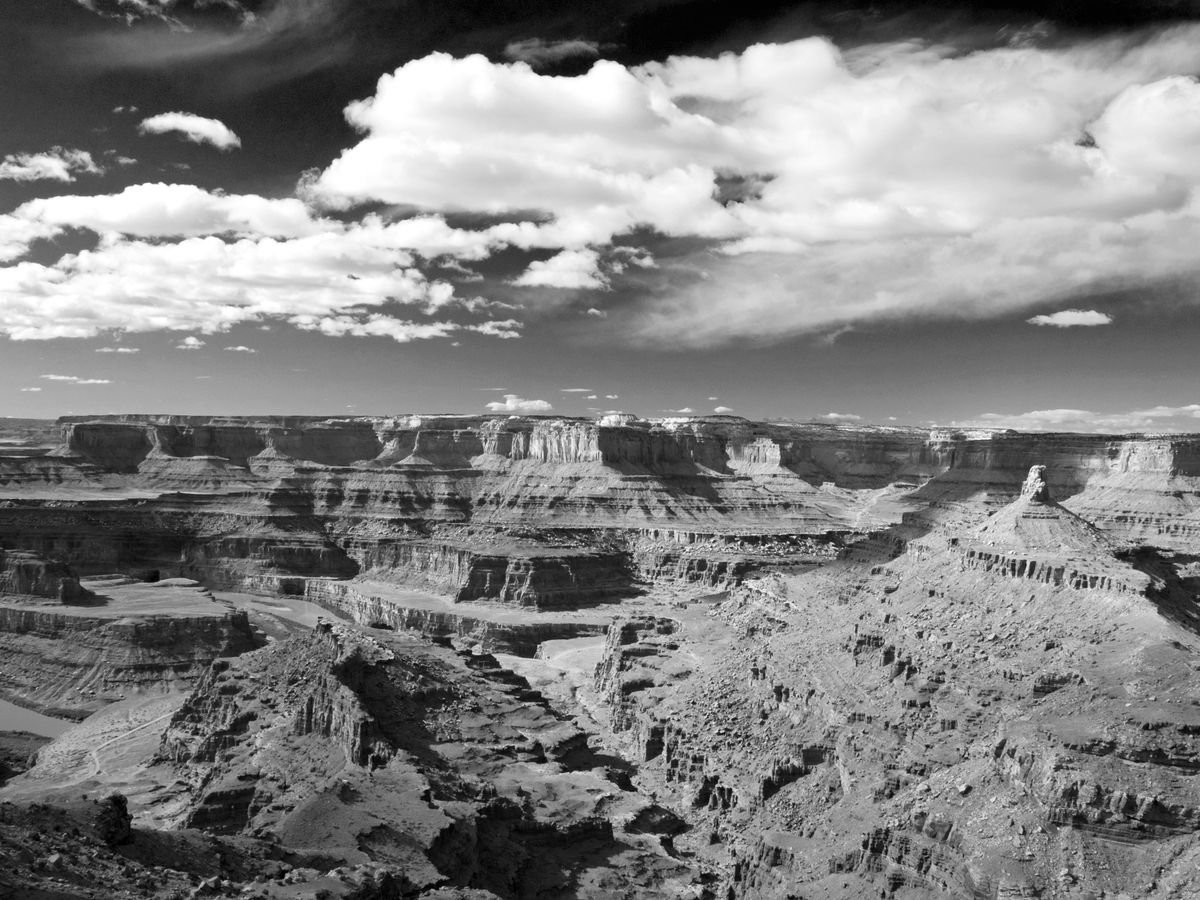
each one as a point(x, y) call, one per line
point(693, 657)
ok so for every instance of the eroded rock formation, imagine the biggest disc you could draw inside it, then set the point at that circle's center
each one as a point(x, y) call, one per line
point(832, 661)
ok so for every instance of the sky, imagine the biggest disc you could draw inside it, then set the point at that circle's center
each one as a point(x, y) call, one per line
point(898, 213)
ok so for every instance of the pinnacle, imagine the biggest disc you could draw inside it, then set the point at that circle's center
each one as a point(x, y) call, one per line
point(1035, 487)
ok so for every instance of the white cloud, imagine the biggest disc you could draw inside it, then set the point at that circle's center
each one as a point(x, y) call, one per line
point(591, 397)
point(184, 210)
point(118, 350)
point(686, 411)
point(328, 282)
point(1071, 318)
point(515, 404)
point(16, 234)
point(56, 164)
point(1155, 418)
point(841, 417)
point(72, 379)
point(723, 410)
point(600, 153)
point(538, 52)
point(30, 390)
point(241, 348)
point(505, 329)
point(571, 269)
point(196, 129)
point(611, 397)
point(890, 181)
point(575, 390)
point(596, 313)
point(374, 325)
point(191, 342)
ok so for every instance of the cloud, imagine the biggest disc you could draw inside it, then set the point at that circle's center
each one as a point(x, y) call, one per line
point(571, 269)
point(16, 234)
point(72, 379)
point(196, 129)
point(1071, 318)
point(575, 390)
point(598, 154)
point(822, 188)
point(119, 110)
point(840, 417)
point(175, 210)
point(331, 282)
point(30, 390)
point(118, 350)
point(723, 410)
point(56, 164)
point(190, 342)
point(374, 325)
point(686, 411)
point(1153, 419)
point(539, 53)
point(129, 10)
point(596, 313)
point(515, 404)
point(240, 348)
point(611, 397)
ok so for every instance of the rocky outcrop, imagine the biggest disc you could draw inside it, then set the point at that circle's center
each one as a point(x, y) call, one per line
point(70, 660)
point(358, 603)
point(525, 575)
point(438, 763)
point(25, 573)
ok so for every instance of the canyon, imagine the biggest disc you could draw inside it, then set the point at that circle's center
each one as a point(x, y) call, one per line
point(518, 657)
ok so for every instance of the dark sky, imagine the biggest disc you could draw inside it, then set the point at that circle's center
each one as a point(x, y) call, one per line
point(901, 212)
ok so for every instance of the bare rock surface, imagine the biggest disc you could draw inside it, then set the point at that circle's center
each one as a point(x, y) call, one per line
point(703, 658)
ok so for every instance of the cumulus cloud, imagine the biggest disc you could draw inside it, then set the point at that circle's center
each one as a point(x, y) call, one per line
point(17, 233)
point(599, 153)
point(538, 52)
point(241, 348)
point(885, 182)
point(329, 282)
point(840, 417)
point(191, 342)
point(1072, 318)
point(170, 210)
point(30, 390)
point(575, 390)
point(571, 269)
point(722, 410)
point(197, 129)
point(118, 350)
point(804, 189)
point(512, 403)
point(55, 164)
point(1153, 419)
